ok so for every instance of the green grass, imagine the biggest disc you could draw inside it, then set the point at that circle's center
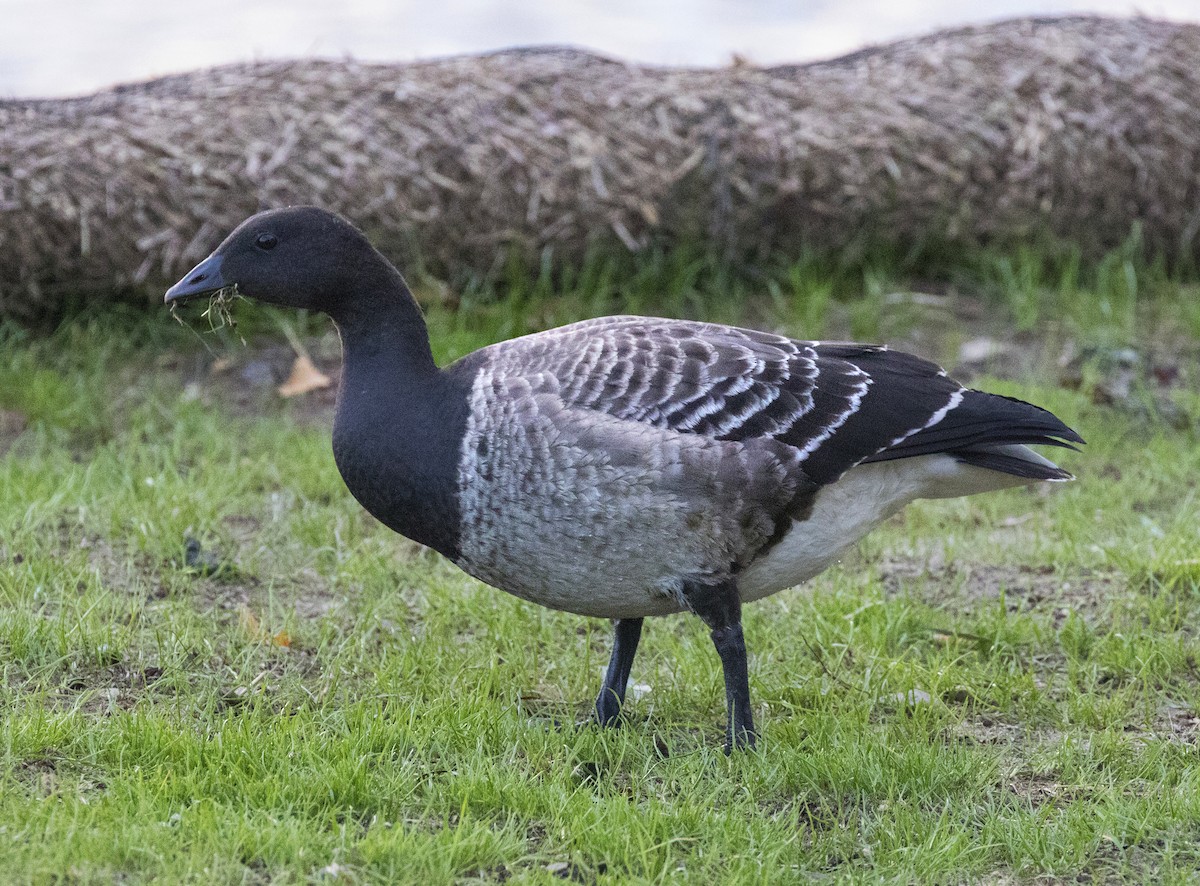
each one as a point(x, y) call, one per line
point(338, 705)
point(1042, 288)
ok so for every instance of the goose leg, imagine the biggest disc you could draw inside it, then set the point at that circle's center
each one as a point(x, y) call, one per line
point(720, 606)
point(739, 728)
point(612, 693)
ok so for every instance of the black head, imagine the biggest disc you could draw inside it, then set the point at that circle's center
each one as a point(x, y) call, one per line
point(300, 257)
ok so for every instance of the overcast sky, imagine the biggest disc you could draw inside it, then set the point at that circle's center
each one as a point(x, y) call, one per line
point(67, 47)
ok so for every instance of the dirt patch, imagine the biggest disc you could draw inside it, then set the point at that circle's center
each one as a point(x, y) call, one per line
point(39, 775)
point(1175, 723)
point(988, 729)
point(49, 774)
point(100, 689)
point(12, 425)
point(1038, 789)
point(120, 573)
point(1025, 588)
point(103, 681)
point(227, 588)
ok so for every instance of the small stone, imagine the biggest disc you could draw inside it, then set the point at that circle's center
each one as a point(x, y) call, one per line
point(911, 698)
point(258, 374)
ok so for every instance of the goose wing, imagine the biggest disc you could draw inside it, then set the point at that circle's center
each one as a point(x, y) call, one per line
point(836, 404)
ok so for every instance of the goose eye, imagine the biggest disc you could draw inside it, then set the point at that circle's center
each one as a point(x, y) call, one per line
point(265, 241)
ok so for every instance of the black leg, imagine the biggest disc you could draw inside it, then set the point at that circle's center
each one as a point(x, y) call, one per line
point(720, 606)
point(612, 693)
point(739, 729)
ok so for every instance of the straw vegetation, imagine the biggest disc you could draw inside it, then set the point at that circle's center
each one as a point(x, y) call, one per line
point(1075, 129)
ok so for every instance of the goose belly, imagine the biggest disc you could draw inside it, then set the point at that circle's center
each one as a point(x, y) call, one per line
point(562, 576)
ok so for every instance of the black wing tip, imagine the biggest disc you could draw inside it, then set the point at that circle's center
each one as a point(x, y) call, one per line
point(1054, 427)
point(981, 419)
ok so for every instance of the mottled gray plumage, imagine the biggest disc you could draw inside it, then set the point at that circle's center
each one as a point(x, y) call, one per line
point(576, 509)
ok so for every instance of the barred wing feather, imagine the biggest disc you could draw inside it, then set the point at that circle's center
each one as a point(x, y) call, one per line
point(839, 404)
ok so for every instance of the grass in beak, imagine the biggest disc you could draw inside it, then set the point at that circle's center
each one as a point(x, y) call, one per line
point(218, 313)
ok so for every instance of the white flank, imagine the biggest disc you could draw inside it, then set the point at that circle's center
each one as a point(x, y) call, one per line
point(847, 510)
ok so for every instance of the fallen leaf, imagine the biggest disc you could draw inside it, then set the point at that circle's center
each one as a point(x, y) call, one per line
point(304, 377)
point(283, 638)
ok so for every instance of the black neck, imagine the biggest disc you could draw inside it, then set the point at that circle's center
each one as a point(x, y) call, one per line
point(400, 420)
point(382, 323)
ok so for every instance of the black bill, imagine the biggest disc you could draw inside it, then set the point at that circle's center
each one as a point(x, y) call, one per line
point(204, 279)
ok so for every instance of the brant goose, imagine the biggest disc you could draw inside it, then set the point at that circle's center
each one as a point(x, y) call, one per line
point(627, 466)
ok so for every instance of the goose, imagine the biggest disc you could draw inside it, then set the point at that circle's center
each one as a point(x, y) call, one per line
point(626, 467)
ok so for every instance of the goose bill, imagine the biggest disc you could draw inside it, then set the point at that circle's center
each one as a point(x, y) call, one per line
point(202, 280)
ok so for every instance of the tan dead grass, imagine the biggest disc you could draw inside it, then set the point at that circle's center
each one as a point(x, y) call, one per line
point(1077, 126)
